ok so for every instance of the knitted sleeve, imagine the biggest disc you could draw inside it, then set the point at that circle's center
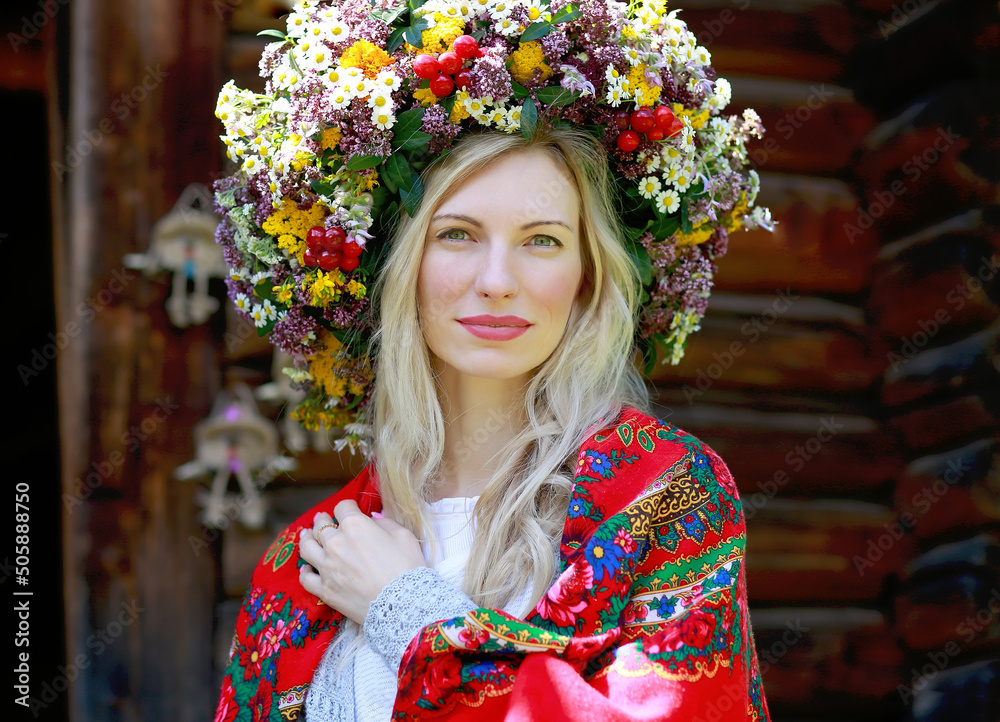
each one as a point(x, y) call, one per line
point(413, 600)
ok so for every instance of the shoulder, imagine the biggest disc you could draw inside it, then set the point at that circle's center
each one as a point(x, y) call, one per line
point(641, 457)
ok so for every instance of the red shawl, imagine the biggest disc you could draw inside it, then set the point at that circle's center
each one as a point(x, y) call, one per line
point(647, 619)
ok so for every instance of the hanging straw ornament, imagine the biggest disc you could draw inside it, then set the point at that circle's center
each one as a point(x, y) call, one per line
point(235, 440)
point(183, 243)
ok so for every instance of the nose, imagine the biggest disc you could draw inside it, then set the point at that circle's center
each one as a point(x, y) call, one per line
point(496, 276)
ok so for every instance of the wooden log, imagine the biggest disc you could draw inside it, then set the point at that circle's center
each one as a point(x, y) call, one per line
point(141, 92)
point(950, 595)
point(967, 693)
point(933, 160)
point(932, 293)
point(843, 661)
point(808, 249)
point(949, 420)
point(953, 492)
point(787, 453)
point(822, 551)
point(782, 342)
point(797, 39)
point(968, 364)
point(899, 60)
point(812, 129)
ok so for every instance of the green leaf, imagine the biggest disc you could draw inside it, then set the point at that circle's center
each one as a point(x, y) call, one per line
point(407, 133)
point(395, 39)
point(519, 90)
point(449, 103)
point(642, 263)
point(685, 221)
point(416, 3)
point(663, 227)
point(416, 141)
point(397, 171)
point(535, 31)
point(411, 197)
point(321, 188)
point(362, 162)
point(556, 95)
point(412, 33)
point(567, 13)
point(529, 118)
point(271, 33)
point(390, 16)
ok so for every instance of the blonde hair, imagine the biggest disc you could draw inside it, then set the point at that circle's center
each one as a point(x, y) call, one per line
point(588, 378)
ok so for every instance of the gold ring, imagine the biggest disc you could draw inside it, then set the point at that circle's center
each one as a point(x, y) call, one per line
point(320, 530)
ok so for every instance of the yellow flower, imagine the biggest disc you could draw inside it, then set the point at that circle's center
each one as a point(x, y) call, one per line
point(424, 96)
point(313, 416)
point(334, 373)
point(367, 56)
point(645, 94)
point(356, 289)
point(739, 210)
point(331, 137)
point(525, 59)
point(325, 288)
point(440, 37)
point(288, 220)
point(369, 179)
point(458, 112)
point(283, 293)
point(699, 235)
point(697, 118)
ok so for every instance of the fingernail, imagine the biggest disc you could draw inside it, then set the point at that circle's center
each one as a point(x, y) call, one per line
point(377, 515)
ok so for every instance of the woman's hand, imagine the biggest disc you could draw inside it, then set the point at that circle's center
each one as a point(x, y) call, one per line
point(350, 563)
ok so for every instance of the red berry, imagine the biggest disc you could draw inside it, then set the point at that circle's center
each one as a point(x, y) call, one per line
point(314, 236)
point(328, 261)
point(309, 257)
point(663, 116)
point(442, 85)
point(466, 46)
point(349, 263)
point(333, 239)
point(426, 66)
point(450, 62)
point(676, 125)
point(351, 248)
point(463, 78)
point(655, 133)
point(643, 120)
point(628, 140)
point(622, 119)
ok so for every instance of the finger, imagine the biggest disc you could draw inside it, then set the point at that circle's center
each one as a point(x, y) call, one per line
point(309, 548)
point(348, 509)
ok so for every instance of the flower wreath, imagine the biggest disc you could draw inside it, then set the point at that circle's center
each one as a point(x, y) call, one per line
point(360, 95)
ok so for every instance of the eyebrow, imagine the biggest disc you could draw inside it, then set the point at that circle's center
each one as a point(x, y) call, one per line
point(473, 222)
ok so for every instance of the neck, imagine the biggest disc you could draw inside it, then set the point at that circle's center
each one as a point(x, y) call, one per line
point(481, 416)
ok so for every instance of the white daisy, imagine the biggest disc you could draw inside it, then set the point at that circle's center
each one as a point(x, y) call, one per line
point(258, 316)
point(252, 165)
point(383, 118)
point(268, 309)
point(682, 180)
point(668, 201)
point(380, 101)
point(337, 32)
point(632, 56)
point(649, 186)
point(387, 81)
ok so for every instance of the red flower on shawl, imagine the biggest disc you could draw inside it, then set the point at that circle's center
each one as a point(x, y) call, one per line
point(697, 628)
point(566, 597)
point(250, 658)
point(260, 703)
point(227, 709)
point(271, 637)
point(442, 677)
point(665, 640)
point(625, 541)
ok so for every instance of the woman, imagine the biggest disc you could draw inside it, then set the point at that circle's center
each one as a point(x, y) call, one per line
point(529, 542)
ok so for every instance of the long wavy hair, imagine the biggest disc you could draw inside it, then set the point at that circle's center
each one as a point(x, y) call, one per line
point(588, 379)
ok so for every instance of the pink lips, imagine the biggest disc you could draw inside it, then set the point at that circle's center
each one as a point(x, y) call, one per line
point(495, 328)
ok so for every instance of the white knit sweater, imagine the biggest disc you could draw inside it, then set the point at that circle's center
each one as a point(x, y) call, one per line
point(362, 687)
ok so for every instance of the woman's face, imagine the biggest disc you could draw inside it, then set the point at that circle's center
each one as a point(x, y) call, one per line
point(501, 269)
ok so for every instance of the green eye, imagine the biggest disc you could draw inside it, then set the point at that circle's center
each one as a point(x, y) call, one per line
point(449, 234)
point(552, 242)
